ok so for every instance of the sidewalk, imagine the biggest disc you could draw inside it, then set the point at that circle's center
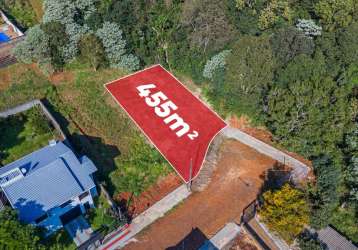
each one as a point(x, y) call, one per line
point(148, 217)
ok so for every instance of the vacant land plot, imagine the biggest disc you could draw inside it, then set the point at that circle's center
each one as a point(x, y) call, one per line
point(91, 120)
point(235, 183)
point(24, 133)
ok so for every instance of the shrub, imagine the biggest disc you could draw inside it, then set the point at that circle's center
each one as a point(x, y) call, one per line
point(92, 50)
point(285, 211)
point(215, 63)
point(309, 27)
point(34, 47)
point(115, 47)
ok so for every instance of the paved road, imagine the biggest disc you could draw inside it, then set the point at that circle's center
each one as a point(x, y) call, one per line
point(235, 183)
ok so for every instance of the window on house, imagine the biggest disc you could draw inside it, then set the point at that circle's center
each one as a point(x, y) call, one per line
point(41, 218)
point(83, 195)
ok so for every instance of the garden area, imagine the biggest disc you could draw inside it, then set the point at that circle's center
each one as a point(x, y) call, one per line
point(23, 133)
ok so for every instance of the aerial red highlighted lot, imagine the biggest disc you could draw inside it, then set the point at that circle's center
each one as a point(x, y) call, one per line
point(179, 125)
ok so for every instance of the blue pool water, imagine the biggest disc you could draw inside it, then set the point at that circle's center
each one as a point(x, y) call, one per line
point(4, 38)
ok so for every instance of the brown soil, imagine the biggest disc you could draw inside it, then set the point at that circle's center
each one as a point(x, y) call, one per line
point(61, 77)
point(156, 192)
point(235, 183)
point(262, 134)
point(5, 79)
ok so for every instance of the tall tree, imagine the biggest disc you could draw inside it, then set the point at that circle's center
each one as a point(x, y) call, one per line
point(15, 235)
point(324, 196)
point(307, 110)
point(249, 72)
point(290, 42)
point(58, 38)
point(334, 14)
point(207, 22)
point(116, 47)
point(92, 50)
point(347, 41)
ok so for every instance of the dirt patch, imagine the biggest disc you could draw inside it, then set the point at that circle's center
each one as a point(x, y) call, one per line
point(262, 134)
point(156, 192)
point(61, 77)
point(235, 183)
point(5, 79)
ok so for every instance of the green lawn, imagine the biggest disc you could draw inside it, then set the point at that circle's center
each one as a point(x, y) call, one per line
point(92, 121)
point(22, 134)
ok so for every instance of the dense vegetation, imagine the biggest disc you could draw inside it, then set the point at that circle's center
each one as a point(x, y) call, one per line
point(291, 66)
point(23, 133)
point(15, 235)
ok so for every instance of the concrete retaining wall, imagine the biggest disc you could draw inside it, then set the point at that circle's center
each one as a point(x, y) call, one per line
point(224, 239)
point(300, 170)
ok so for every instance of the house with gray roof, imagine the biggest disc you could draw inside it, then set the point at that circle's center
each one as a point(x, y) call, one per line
point(333, 240)
point(49, 187)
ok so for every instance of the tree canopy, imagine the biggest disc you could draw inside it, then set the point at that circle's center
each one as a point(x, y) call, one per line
point(15, 235)
point(285, 211)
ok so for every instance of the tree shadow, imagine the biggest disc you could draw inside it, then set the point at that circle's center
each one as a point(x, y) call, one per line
point(10, 128)
point(28, 210)
point(193, 241)
point(275, 177)
point(102, 154)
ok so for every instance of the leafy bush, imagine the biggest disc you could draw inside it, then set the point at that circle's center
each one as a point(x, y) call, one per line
point(35, 46)
point(309, 241)
point(140, 168)
point(15, 235)
point(115, 47)
point(217, 62)
point(309, 27)
point(285, 211)
point(92, 51)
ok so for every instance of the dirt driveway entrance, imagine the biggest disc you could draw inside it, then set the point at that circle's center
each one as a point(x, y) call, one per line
point(235, 183)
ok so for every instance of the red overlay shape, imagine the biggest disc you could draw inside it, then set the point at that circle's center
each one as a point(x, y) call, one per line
point(183, 148)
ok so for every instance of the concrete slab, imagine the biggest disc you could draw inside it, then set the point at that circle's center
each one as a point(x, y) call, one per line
point(79, 230)
point(223, 239)
point(148, 217)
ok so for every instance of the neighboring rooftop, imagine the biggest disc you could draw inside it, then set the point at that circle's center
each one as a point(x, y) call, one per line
point(334, 240)
point(45, 179)
point(8, 31)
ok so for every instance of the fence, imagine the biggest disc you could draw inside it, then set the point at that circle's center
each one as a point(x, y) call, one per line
point(6, 57)
point(249, 212)
point(29, 105)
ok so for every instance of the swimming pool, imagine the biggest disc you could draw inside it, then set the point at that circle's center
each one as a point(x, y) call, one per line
point(4, 38)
